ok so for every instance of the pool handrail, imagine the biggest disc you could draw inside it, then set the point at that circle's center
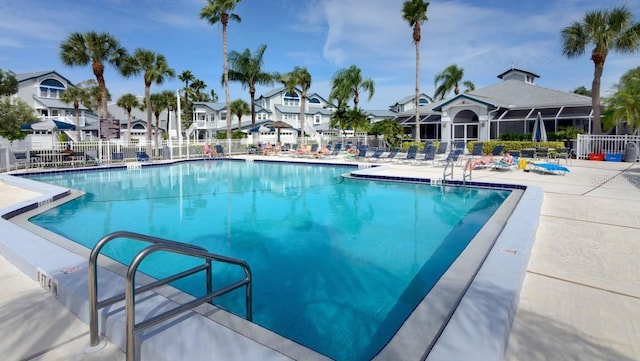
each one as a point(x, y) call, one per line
point(158, 244)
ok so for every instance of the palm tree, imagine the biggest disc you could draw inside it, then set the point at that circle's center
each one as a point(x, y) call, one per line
point(186, 76)
point(158, 104)
point(170, 104)
point(468, 86)
point(415, 13)
point(239, 107)
point(76, 96)
point(221, 11)
point(155, 69)
point(349, 82)
point(213, 95)
point(624, 105)
point(197, 87)
point(247, 70)
point(299, 77)
point(606, 30)
point(128, 102)
point(449, 79)
point(95, 49)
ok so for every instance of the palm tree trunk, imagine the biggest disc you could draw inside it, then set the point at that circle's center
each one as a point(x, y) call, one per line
point(226, 75)
point(302, 116)
point(147, 102)
point(417, 100)
point(129, 126)
point(595, 98)
point(252, 95)
point(76, 107)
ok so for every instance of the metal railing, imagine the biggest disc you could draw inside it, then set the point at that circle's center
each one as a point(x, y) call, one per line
point(157, 245)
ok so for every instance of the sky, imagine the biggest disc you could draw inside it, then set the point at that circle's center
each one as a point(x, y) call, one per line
point(483, 37)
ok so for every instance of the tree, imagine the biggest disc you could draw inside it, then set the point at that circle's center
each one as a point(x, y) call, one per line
point(170, 104)
point(239, 108)
point(299, 77)
point(582, 91)
point(220, 11)
point(95, 49)
point(214, 95)
point(605, 30)
point(8, 83)
point(349, 82)
point(14, 113)
point(247, 70)
point(391, 130)
point(624, 105)
point(76, 96)
point(94, 98)
point(357, 120)
point(186, 76)
point(415, 13)
point(450, 79)
point(128, 102)
point(197, 88)
point(468, 86)
point(155, 69)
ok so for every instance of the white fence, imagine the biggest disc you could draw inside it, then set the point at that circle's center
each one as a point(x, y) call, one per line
point(607, 144)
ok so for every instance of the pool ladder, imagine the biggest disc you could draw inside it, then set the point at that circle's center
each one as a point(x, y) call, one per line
point(157, 245)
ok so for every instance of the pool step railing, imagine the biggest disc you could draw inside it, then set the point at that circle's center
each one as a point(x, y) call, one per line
point(157, 245)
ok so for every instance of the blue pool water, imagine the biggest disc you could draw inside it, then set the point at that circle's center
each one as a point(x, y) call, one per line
point(338, 264)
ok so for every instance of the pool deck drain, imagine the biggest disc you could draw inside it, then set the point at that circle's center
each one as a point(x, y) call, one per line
point(580, 300)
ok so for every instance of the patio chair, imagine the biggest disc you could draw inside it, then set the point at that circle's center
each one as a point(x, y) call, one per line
point(142, 156)
point(391, 156)
point(429, 155)
point(375, 156)
point(117, 157)
point(442, 148)
point(91, 157)
point(21, 158)
point(452, 157)
point(561, 153)
point(497, 150)
point(335, 152)
point(548, 168)
point(220, 152)
point(542, 153)
point(412, 152)
point(477, 149)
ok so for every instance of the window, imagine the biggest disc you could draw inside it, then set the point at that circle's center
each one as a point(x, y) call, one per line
point(317, 119)
point(291, 99)
point(51, 88)
point(423, 102)
point(315, 102)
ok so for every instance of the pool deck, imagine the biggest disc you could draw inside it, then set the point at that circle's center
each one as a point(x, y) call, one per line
point(580, 299)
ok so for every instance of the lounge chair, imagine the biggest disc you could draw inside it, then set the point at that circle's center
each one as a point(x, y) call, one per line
point(91, 157)
point(429, 155)
point(497, 150)
point(375, 156)
point(117, 157)
point(219, 152)
point(142, 156)
point(561, 153)
point(412, 152)
point(477, 150)
point(391, 156)
point(335, 152)
point(442, 149)
point(549, 168)
point(453, 156)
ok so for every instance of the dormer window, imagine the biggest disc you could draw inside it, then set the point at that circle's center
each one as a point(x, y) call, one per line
point(51, 88)
point(423, 102)
point(314, 102)
point(291, 99)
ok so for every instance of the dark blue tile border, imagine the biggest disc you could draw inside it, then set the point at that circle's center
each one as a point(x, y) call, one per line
point(427, 181)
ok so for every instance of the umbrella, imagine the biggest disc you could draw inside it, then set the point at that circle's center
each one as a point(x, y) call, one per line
point(48, 125)
point(278, 125)
point(539, 133)
point(260, 129)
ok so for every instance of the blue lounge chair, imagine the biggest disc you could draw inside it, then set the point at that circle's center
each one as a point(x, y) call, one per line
point(117, 157)
point(453, 156)
point(142, 156)
point(549, 168)
point(477, 150)
point(412, 152)
point(391, 156)
point(429, 155)
point(375, 156)
point(220, 152)
point(335, 152)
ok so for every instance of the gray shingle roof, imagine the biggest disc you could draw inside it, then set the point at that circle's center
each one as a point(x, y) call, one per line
point(518, 94)
point(37, 74)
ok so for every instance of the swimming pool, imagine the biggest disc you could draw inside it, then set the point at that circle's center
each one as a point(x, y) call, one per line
point(310, 235)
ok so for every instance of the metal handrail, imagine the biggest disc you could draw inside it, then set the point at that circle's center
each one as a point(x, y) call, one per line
point(166, 245)
point(444, 171)
point(467, 166)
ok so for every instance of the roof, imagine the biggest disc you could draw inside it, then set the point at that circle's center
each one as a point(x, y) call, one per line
point(56, 103)
point(381, 113)
point(39, 74)
point(518, 70)
point(296, 110)
point(518, 94)
point(443, 103)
